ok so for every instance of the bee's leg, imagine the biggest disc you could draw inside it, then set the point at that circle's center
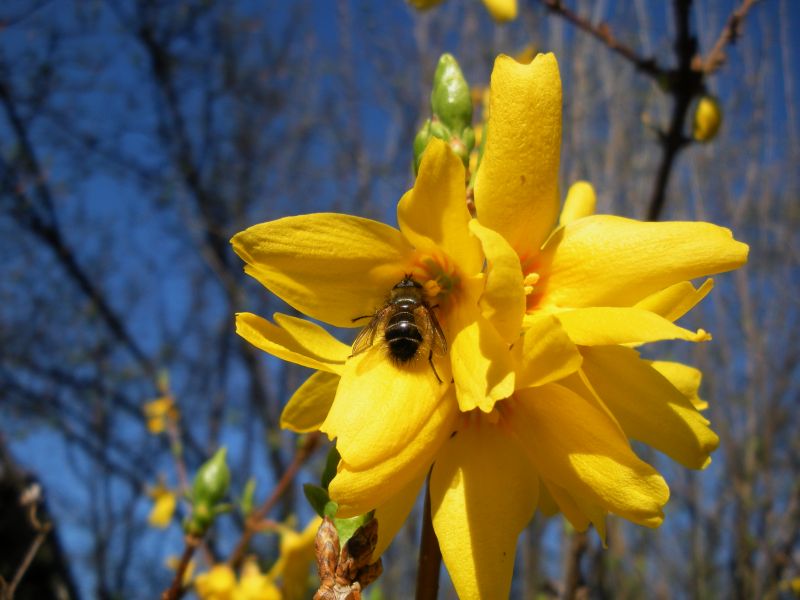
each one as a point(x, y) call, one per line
point(430, 360)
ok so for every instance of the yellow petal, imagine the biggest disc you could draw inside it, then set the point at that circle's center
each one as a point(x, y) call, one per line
point(544, 353)
point(296, 340)
point(502, 10)
point(648, 407)
point(577, 510)
point(359, 491)
point(602, 326)
point(578, 447)
point(434, 213)
point(566, 504)
point(516, 187)
point(580, 202)
point(328, 266)
point(483, 494)
point(483, 367)
point(685, 378)
point(604, 260)
point(503, 299)
point(547, 504)
point(381, 406)
point(394, 513)
point(676, 300)
point(309, 405)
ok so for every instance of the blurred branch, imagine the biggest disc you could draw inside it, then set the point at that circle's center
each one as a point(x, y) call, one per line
point(602, 32)
point(29, 499)
point(729, 34)
point(684, 84)
point(47, 229)
point(176, 588)
point(574, 583)
point(256, 518)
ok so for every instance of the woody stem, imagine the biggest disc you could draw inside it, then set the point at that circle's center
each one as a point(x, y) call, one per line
point(430, 556)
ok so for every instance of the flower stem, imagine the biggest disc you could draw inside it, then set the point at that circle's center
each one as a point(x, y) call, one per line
point(430, 556)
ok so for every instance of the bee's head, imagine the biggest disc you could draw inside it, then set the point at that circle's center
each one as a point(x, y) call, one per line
point(407, 282)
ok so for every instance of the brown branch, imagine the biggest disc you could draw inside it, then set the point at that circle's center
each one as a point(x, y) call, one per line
point(256, 518)
point(430, 555)
point(573, 578)
point(30, 498)
point(602, 32)
point(729, 34)
point(176, 588)
point(684, 84)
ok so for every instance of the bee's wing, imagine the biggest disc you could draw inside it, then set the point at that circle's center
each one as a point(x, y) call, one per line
point(433, 330)
point(366, 336)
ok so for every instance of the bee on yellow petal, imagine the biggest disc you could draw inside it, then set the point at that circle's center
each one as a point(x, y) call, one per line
point(407, 325)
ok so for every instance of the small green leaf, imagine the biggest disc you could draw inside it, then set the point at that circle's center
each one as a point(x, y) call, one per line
point(246, 503)
point(347, 527)
point(331, 463)
point(317, 497)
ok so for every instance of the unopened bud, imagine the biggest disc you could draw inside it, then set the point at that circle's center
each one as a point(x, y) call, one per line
point(212, 479)
point(450, 98)
point(707, 119)
point(210, 486)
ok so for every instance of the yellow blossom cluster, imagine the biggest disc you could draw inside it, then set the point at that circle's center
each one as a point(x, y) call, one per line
point(541, 389)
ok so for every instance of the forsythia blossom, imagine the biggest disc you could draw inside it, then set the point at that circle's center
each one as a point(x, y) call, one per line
point(541, 389)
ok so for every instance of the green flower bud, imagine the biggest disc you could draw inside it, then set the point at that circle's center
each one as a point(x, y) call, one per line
point(212, 480)
point(210, 486)
point(451, 100)
point(468, 137)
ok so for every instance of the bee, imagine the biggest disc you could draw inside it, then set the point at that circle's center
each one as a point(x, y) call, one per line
point(407, 324)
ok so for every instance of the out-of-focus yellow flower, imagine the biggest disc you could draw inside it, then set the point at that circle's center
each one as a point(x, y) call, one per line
point(173, 561)
point(219, 583)
point(164, 502)
point(297, 553)
point(160, 412)
point(501, 10)
point(255, 585)
point(707, 119)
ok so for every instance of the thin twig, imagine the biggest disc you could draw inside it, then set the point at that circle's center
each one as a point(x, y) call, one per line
point(729, 34)
point(176, 589)
point(30, 498)
point(573, 578)
point(603, 33)
point(256, 518)
point(430, 555)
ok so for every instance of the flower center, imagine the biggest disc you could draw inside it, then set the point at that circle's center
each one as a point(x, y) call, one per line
point(438, 276)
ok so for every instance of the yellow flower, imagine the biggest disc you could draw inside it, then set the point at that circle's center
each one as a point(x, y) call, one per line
point(173, 561)
point(159, 413)
point(219, 583)
point(297, 554)
point(254, 585)
point(540, 340)
point(164, 502)
point(594, 285)
point(501, 10)
point(707, 119)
